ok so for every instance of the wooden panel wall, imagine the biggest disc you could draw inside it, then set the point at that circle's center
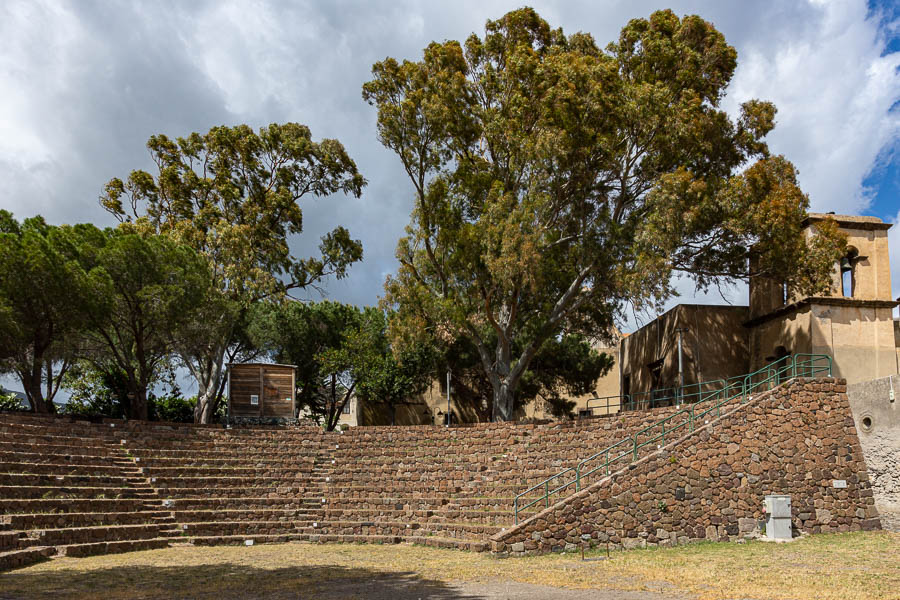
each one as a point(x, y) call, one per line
point(278, 393)
point(274, 384)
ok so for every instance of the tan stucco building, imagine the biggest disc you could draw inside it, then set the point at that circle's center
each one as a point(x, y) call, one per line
point(852, 323)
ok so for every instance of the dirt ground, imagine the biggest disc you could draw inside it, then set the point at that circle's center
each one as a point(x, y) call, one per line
point(853, 566)
point(400, 588)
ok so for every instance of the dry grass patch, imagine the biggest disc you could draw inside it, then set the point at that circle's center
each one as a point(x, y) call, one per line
point(841, 566)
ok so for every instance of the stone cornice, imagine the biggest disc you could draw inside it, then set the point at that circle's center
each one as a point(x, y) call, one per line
point(822, 300)
point(849, 222)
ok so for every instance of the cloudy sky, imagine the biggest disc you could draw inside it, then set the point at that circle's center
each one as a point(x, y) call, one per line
point(84, 84)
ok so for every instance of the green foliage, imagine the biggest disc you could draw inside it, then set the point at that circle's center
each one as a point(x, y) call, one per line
point(563, 365)
point(556, 184)
point(313, 337)
point(233, 195)
point(103, 392)
point(45, 301)
point(175, 409)
point(339, 350)
point(10, 402)
point(384, 374)
point(155, 288)
point(96, 391)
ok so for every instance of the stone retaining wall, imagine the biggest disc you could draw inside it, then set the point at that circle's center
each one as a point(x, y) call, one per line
point(798, 440)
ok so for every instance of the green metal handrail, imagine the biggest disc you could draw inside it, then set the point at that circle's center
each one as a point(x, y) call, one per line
point(623, 400)
point(764, 379)
point(677, 396)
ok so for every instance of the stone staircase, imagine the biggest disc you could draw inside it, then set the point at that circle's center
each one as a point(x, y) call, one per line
point(74, 488)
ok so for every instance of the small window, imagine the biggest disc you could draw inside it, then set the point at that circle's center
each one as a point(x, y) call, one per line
point(254, 400)
point(847, 282)
point(848, 273)
point(346, 409)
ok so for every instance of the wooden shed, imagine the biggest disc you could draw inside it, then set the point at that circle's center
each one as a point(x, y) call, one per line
point(261, 390)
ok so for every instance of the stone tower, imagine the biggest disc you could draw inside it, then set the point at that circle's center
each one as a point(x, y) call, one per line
point(853, 322)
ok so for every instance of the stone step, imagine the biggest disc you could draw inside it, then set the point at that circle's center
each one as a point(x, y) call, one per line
point(281, 472)
point(81, 480)
point(55, 506)
point(68, 492)
point(90, 535)
point(233, 461)
point(272, 514)
point(91, 549)
point(354, 527)
point(58, 468)
point(15, 559)
point(10, 540)
point(84, 519)
point(437, 542)
point(47, 457)
point(54, 450)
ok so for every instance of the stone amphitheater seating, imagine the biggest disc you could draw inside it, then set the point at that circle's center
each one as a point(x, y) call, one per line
point(75, 488)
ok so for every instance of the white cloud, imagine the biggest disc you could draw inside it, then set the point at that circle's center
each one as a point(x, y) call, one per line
point(834, 92)
point(86, 84)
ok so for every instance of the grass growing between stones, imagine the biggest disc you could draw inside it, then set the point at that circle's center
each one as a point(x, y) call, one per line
point(835, 566)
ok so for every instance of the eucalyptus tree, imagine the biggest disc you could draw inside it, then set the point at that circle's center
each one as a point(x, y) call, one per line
point(233, 195)
point(555, 183)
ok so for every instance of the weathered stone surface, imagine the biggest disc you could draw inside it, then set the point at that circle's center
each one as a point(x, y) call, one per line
point(746, 524)
point(793, 440)
point(632, 543)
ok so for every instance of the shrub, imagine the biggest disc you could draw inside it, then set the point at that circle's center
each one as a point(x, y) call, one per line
point(179, 409)
point(10, 402)
point(172, 408)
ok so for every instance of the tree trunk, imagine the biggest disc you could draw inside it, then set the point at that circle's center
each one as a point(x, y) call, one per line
point(207, 400)
point(32, 384)
point(331, 416)
point(35, 396)
point(504, 401)
point(138, 408)
point(209, 380)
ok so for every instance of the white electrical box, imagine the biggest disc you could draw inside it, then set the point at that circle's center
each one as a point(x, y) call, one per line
point(778, 517)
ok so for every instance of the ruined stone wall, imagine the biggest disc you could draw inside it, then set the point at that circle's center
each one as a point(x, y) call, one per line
point(797, 440)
